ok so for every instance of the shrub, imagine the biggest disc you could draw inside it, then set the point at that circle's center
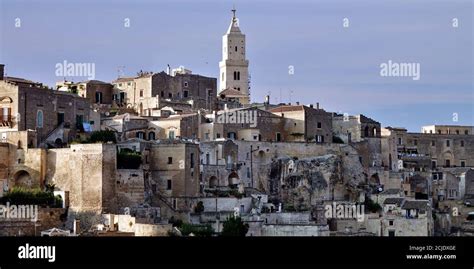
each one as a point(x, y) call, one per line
point(103, 136)
point(234, 226)
point(128, 159)
point(197, 230)
point(22, 196)
point(372, 206)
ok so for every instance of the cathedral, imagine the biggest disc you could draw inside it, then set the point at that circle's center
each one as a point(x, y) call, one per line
point(234, 74)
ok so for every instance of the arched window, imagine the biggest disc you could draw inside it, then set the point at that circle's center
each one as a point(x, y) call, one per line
point(235, 75)
point(238, 75)
point(151, 136)
point(39, 119)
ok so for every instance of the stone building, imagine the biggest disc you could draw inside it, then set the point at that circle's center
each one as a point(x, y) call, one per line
point(307, 123)
point(434, 149)
point(175, 174)
point(234, 74)
point(149, 92)
point(96, 91)
point(57, 117)
point(355, 128)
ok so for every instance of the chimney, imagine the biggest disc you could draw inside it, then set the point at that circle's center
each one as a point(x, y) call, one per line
point(168, 70)
point(297, 103)
point(2, 70)
point(317, 105)
point(267, 99)
point(311, 105)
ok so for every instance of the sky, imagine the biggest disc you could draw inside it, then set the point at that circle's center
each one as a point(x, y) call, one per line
point(336, 66)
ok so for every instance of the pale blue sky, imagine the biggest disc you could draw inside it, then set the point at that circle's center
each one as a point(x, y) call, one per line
point(335, 66)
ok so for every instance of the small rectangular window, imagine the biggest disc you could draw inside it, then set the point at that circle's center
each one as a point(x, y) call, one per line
point(168, 185)
point(170, 160)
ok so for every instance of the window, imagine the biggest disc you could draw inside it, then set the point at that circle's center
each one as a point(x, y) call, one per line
point(447, 143)
point(320, 139)
point(466, 132)
point(98, 97)
point(448, 163)
point(319, 125)
point(140, 135)
point(39, 119)
point(391, 233)
point(462, 143)
point(415, 142)
point(171, 135)
point(231, 135)
point(439, 131)
point(248, 172)
point(463, 163)
point(186, 84)
point(175, 203)
point(6, 111)
point(168, 184)
point(151, 136)
point(185, 94)
point(457, 132)
point(218, 135)
point(390, 222)
point(192, 160)
point(236, 75)
point(120, 84)
point(433, 143)
point(433, 164)
point(208, 158)
point(399, 140)
point(236, 48)
point(278, 137)
point(162, 94)
point(141, 93)
point(170, 160)
point(170, 95)
point(129, 84)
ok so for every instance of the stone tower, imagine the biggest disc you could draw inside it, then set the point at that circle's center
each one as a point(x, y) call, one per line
point(234, 73)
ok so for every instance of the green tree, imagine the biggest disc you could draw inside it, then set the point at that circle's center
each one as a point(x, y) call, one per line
point(234, 226)
point(103, 136)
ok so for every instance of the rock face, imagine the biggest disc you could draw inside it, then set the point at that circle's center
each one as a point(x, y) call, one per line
point(301, 183)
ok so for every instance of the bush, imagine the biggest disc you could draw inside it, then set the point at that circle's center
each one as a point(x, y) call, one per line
point(22, 196)
point(234, 226)
point(197, 230)
point(372, 206)
point(128, 159)
point(103, 136)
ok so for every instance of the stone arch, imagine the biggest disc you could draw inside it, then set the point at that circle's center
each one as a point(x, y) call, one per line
point(213, 182)
point(366, 131)
point(151, 136)
point(22, 179)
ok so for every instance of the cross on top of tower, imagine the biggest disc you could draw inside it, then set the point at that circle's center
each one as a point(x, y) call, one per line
point(233, 11)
